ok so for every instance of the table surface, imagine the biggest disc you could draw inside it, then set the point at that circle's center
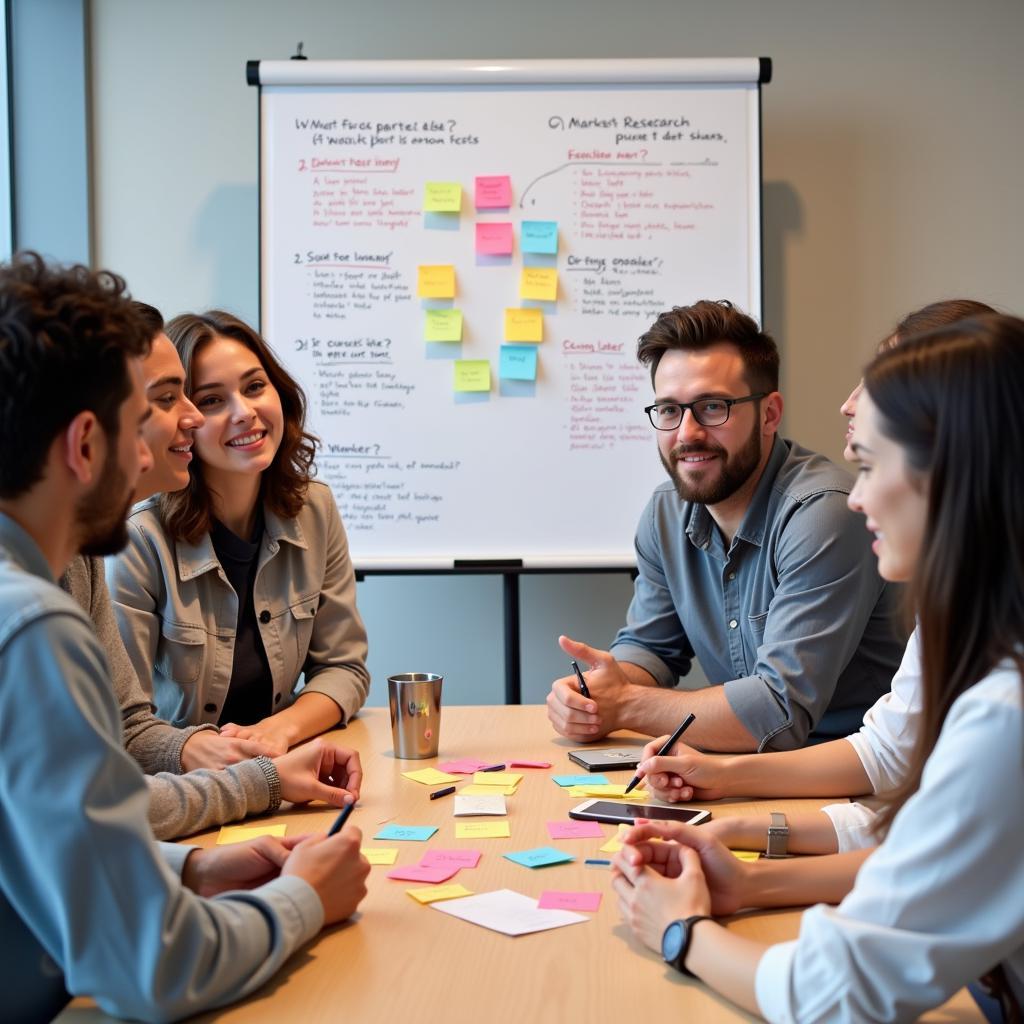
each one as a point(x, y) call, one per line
point(398, 960)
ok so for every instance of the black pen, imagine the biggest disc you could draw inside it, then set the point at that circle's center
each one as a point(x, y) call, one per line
point(669, 744)
point(579, 678)
point(494, 768)
point(442, 792)
point(341, 818)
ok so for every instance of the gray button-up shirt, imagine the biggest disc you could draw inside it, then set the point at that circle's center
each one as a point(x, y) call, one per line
point(793, 617)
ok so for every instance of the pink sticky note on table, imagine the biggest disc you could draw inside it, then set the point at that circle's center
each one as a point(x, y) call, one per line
point(450, 859)
point(494, 238)
point(464, 766)
point(552, 899)
point(574, 830)
point(420, 873)
point(529, 764)
point(492, 192)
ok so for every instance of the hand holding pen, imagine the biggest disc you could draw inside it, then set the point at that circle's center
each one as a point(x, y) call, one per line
point(666, 747)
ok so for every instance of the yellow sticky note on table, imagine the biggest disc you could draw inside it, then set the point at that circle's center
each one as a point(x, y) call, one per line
point(746, 854)
point(539, 283)
point(524, 325)
point(497, 779)
point(379, 855)
point(615, 843)
point(613, 791)
point(442, 325)
point(433, 893)
point(430, 776)
point(435, 281)
point(482, 830)
point(241, 833)
point(472, 375)
point(442, 197)
point(475, 790)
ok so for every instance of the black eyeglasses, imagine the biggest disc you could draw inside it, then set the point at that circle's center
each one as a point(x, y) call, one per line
point(708, 412)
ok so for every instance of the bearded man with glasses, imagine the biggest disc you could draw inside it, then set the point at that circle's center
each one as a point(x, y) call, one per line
point(749, 561)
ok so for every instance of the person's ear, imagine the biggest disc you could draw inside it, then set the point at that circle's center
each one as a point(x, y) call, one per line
point(771, 412)
point(84, 445)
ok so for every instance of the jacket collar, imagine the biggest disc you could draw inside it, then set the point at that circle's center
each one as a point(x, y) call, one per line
point(18, 544)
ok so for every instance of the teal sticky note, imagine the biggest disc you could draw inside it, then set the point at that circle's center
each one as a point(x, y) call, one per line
point(410, 833)
point(518, 362)
point(540, 857)
point(539, 236)
point(581, 780)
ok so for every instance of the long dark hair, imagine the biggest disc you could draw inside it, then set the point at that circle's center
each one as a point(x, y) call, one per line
point(952, 399)
point(188, 514)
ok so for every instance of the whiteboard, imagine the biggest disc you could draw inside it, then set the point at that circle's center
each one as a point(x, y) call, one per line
point(645, 174)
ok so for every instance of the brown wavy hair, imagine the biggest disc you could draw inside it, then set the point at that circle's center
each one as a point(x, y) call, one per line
point(951, 399)
point(188, 514)
point(932, 317)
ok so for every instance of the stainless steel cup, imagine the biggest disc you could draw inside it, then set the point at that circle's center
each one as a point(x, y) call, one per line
point(415, 702)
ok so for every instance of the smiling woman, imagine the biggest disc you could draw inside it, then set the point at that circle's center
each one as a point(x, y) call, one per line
point(240, 583)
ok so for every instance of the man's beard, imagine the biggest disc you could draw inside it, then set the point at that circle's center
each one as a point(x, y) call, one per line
point(735, 469)
point(102, 514)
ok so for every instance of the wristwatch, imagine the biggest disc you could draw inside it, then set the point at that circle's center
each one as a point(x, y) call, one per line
point(675, 943)
point(778, 836)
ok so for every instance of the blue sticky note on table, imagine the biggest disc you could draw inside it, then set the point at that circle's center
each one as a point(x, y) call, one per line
point(412, 833)
point(539, 236)
point(540, 857)
point(581, 780)
point(518, 362)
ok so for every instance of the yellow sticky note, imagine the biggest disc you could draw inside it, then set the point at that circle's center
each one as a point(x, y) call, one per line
point(430, 776)
point(379, 855)
point(433, 893)
point(497, 779)
point(240, 833)
point(482, 830)
point(615, 843)
point(435, 281)
point(442, 325)
point(613, 791)
point(442, 197)
point(524, 325)
point(474, 790)
point(746, 854)
point(472, 375)
point(539, 283)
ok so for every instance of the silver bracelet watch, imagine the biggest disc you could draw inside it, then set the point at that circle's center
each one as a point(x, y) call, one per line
point(778, 836)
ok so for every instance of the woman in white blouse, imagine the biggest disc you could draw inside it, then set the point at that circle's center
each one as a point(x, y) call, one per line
point(940, 437)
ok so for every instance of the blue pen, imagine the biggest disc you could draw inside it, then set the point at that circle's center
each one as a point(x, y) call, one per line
point(341, 818)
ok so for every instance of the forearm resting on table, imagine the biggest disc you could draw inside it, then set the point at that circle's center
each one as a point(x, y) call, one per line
point(726, 963)
point(803, 881)
point(826, 769)
point(310, 715)
point(809, 832)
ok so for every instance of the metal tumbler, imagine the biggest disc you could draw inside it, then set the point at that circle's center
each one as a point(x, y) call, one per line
point(415, 702)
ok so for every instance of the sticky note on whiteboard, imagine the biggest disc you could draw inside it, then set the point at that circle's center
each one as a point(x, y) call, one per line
point(436, 281)
point(442, 197)
point(472, 375)
point(518, 362)
point(442, 325)
point(539, 283)
point(493, 192)
point(524, 325)
point(540, 236)
point(494, 238)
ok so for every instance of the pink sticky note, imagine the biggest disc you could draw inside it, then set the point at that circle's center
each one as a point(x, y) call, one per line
point(552, 899)
point(493, 192)
point(450, 859)
point(420, 873)
point(574, 830)
point(494, 238)
point(464, 766)
point(529, 764)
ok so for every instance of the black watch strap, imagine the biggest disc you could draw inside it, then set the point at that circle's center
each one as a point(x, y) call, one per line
point(678, 960)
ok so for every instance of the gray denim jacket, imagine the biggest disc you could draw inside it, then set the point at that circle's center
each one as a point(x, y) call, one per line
point(177, 612)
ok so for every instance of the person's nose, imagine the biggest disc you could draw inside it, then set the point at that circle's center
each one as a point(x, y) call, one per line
point(689, 430)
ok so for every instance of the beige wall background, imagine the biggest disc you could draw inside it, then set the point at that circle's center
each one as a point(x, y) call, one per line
point(893, 150)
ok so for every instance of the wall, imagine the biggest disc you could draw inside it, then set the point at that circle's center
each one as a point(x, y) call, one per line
point(891, 164)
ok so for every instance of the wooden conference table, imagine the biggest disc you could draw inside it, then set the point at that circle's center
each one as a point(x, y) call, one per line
point(400, 961)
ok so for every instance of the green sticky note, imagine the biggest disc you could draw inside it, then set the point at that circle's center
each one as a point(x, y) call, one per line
point(443, 325)
point(472, 375)
point(442, 197)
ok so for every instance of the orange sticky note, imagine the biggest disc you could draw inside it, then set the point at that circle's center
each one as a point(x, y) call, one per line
point(436, 281)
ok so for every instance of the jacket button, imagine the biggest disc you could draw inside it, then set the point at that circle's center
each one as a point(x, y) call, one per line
point(277, 698)
point(210, 707)
point(264, 616)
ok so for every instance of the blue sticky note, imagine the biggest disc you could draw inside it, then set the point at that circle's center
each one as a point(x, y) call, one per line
point(518, 362)
point(412, 833)
point(581, 780)
point(540, 857)
point(539, 236)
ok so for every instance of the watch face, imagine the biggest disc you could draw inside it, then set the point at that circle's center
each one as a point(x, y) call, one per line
point(672, 942)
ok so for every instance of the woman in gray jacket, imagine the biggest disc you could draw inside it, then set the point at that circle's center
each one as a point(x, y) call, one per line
point(235, 597)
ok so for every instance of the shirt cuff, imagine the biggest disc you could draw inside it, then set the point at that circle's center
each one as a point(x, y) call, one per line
point(635, 655)
point(852, 823)
point(762, 713)
point(772, 982)
point(182, 736)
point(295, 904)
point(174, 855)
point(342, 691)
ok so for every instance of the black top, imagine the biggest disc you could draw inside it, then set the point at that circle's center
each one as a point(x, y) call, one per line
point(251, 690)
